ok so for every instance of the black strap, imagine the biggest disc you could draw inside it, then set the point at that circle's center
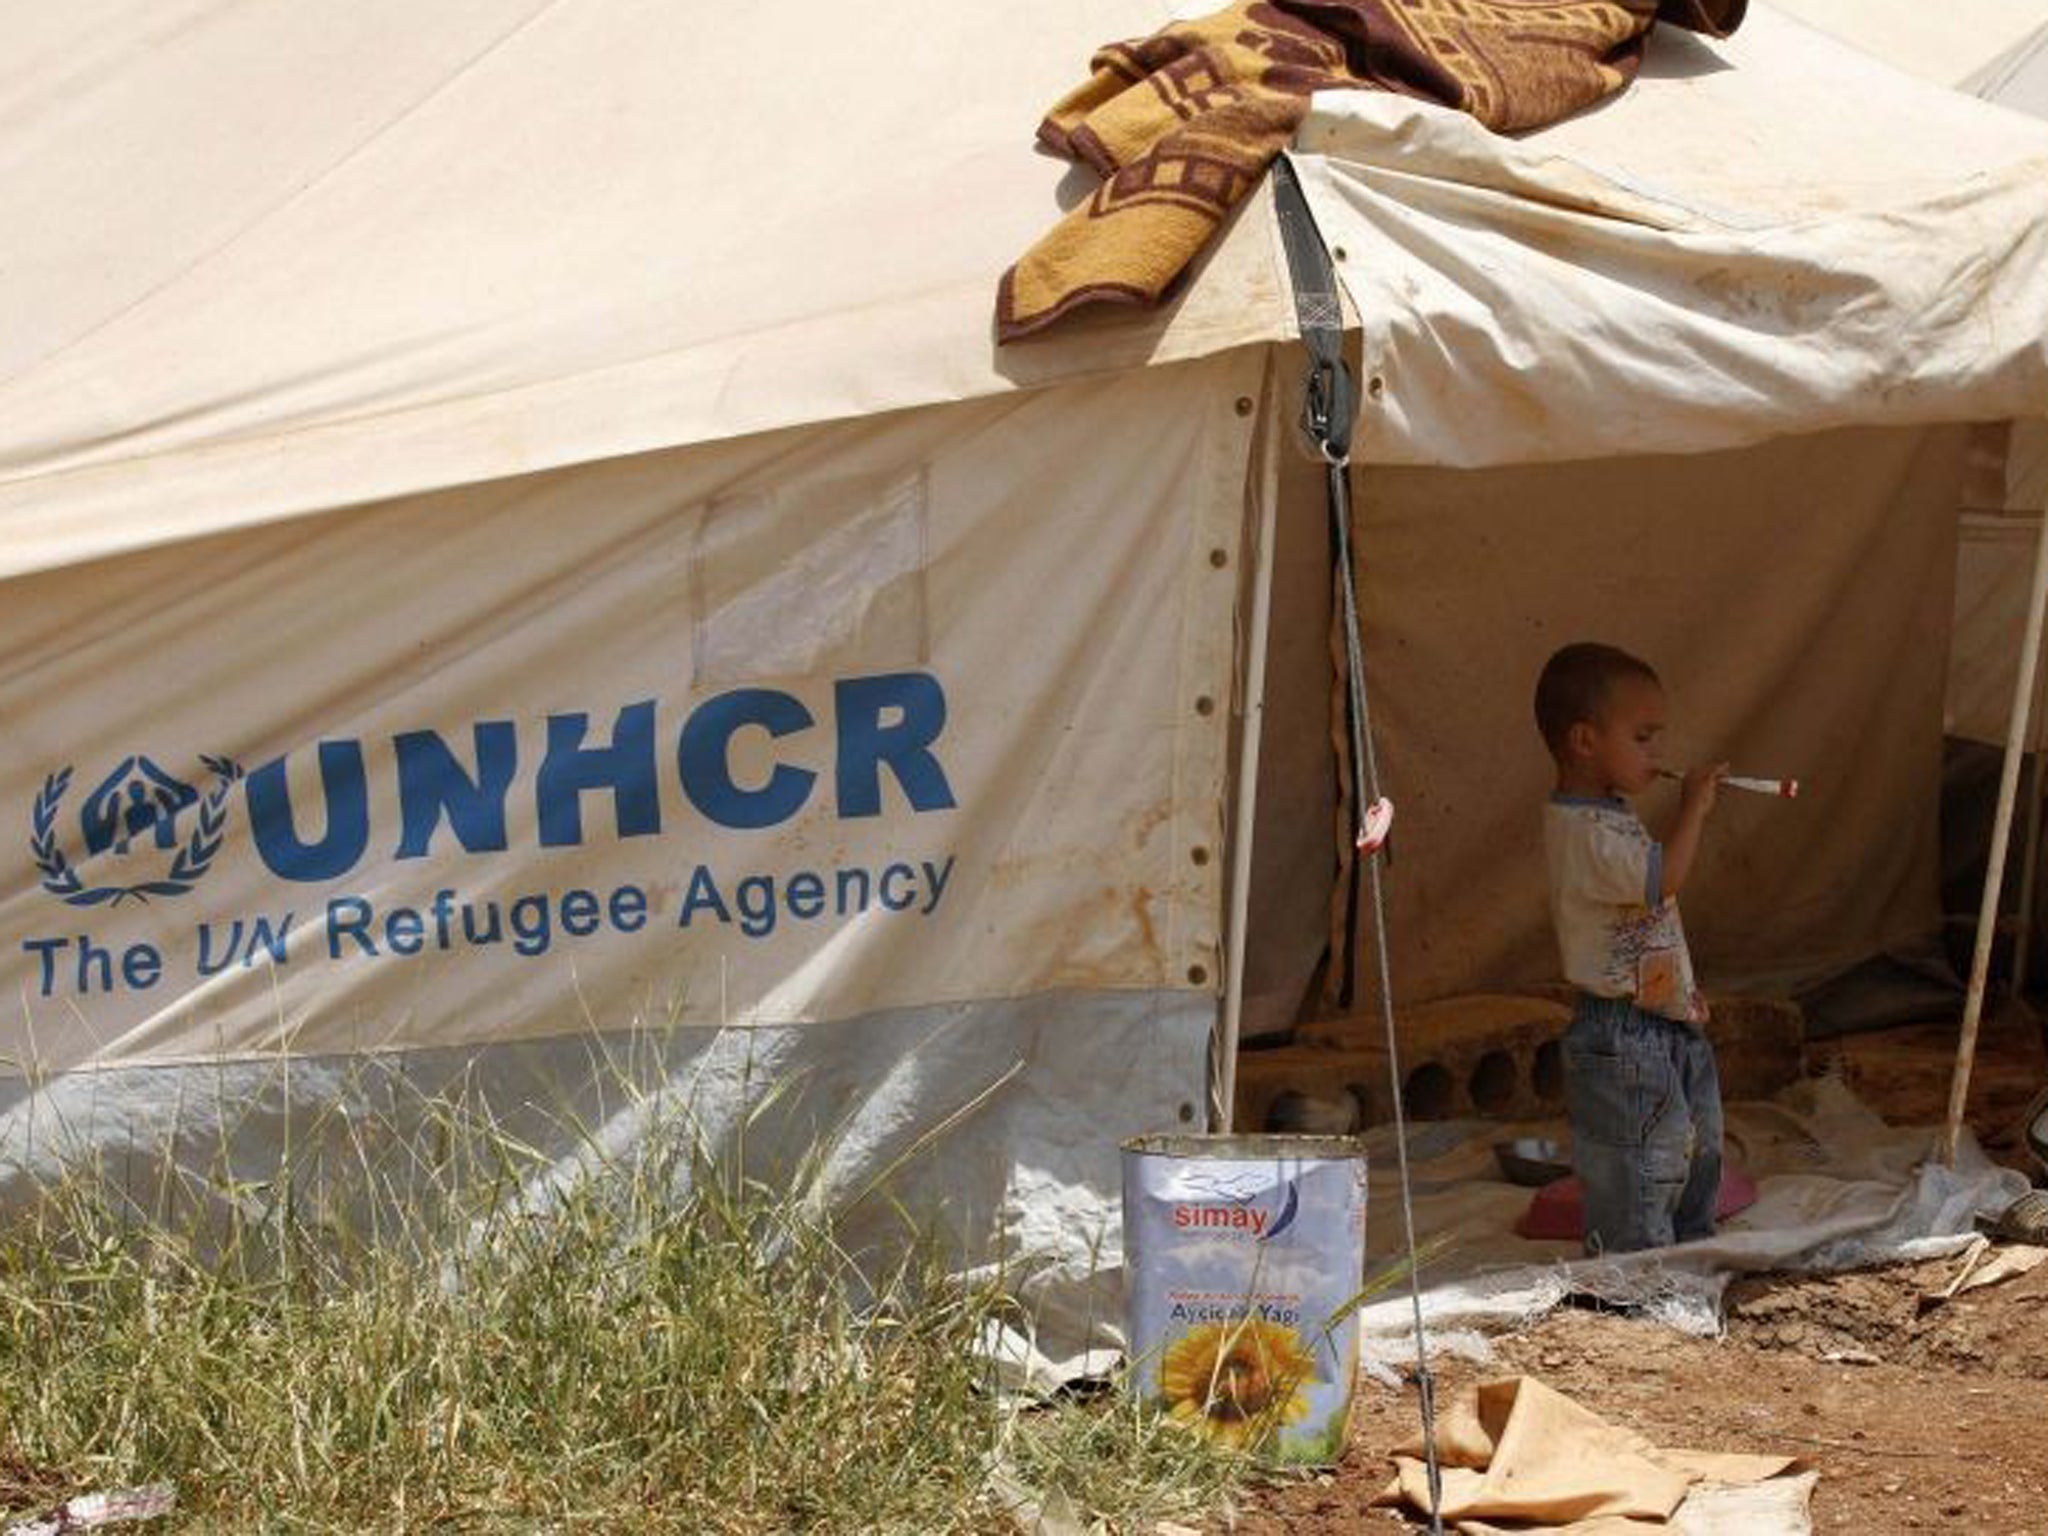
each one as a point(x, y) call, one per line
point(1329, 406)
point(1331, 401)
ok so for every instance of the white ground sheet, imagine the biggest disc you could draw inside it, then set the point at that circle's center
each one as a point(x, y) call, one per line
point(1838, 1188)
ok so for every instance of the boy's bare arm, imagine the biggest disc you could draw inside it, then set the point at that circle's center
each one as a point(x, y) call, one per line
point(1695, 804)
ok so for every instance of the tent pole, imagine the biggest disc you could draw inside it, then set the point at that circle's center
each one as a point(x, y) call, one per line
point(1223, 1110)
point(2001, 838)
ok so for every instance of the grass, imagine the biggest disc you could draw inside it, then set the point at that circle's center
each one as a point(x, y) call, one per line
point(410, 1344)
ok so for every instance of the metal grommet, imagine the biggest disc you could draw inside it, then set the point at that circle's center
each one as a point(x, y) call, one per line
point(1198, 974)
point(1219, 558)
point(1199, 854)
point(1244, 405)
point(1186, 1113)
point(1375, 386)
point(1205, 705)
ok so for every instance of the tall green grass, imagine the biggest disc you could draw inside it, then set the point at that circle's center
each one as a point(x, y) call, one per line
point(398, 1339)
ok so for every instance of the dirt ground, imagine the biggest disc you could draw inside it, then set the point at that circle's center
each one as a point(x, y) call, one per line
point(1916, 1419)
point(1937, 1423)
point(1904, 1074)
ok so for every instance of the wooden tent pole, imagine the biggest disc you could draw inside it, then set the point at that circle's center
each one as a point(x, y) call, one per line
point(1223, 1069)
point(2001, 838)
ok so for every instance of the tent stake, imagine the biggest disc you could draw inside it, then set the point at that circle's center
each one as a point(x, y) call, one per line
point(2001, 838)
point(1223, 1109)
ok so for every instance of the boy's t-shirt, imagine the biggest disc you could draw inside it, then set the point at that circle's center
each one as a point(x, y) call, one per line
point(1616, 933)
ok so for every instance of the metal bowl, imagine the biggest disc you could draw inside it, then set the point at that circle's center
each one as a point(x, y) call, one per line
point(1532, 1160)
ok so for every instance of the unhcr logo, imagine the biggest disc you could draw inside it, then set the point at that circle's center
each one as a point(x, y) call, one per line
point(159, 833)
point(140, 821)
point(746, 760)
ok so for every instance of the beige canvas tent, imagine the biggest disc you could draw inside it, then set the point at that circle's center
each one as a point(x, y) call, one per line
point(1574, 290)
point(519, 546)
point(1996, 50)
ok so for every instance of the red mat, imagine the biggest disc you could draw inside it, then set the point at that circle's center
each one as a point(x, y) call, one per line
point(1557, 1211)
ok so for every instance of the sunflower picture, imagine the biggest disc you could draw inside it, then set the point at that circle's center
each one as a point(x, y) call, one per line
point(1237, 1382)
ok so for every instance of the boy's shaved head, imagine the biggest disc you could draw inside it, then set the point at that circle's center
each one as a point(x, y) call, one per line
point(1575, 684)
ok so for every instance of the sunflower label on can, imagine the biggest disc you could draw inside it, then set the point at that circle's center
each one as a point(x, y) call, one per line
point(1241, 1256)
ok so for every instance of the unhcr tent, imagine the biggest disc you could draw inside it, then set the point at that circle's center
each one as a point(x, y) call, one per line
point(1996, 50)
point(1993, 49)
point(520, 549)
point(1672, 315)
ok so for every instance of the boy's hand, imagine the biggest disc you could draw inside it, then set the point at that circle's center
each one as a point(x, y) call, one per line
point(1700, 789)
point(1695, 799)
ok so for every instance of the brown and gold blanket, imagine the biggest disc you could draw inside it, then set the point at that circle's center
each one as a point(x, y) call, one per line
point(1181, 124)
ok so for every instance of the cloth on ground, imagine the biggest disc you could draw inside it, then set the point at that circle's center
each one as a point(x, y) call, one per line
point(1518, 1455)
point(1979, 1266)
point(1837, 1188)
point(1180, 125)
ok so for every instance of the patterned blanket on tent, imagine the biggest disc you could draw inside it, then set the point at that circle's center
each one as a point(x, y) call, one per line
point(1181, 124)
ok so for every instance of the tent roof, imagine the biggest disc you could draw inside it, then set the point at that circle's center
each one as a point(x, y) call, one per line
point(282, 259)
point(1768, 235)
point(279, 257)
point(1996, 49)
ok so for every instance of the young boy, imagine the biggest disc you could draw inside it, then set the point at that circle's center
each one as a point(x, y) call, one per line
point(1640, 1083)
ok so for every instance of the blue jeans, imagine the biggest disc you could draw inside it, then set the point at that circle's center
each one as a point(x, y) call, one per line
point(1644, 1098)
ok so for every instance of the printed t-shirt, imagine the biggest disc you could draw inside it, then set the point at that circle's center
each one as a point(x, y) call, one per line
point(1617, 935)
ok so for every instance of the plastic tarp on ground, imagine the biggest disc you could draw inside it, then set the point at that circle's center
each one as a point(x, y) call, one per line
point(1837, 1188)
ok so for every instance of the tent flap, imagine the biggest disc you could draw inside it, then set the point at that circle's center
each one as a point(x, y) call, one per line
point(1721, 255)
point(1795, 599)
